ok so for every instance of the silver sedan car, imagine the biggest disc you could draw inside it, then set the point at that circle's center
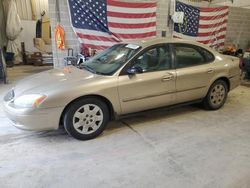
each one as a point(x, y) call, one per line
point(126, 78)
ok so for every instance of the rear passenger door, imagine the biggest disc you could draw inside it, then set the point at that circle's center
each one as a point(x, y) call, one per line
point(194, 70)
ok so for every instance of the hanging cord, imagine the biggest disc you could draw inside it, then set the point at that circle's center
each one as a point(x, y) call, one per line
point(58, 19)
point(58, 12)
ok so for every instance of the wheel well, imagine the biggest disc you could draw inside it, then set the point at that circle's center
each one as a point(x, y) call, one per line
point(225, 79)
point(105, 100)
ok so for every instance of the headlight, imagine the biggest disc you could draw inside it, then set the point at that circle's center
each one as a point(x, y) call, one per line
point(29, 101)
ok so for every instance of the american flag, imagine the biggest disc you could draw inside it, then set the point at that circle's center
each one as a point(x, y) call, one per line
point(206, 25)
point(100, 24)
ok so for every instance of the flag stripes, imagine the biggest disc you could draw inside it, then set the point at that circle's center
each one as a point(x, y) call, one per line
point(208, 25)
point(99, 24)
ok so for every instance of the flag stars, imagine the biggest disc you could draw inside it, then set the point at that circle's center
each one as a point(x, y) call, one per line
point(190, 27)
point(89, 14)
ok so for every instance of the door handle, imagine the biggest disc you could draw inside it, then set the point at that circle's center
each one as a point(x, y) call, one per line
point(167, 78)
point(210, 71)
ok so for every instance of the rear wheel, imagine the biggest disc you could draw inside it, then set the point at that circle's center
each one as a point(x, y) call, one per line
point(216, 96)
point(86, 118)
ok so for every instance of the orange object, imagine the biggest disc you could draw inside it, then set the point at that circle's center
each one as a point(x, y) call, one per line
point(60, 37)
point(67, 69)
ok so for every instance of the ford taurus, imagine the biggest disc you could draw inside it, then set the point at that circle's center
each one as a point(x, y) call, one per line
point(125, 78)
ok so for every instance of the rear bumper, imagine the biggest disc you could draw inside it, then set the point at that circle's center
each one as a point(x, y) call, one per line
point(33, 119)
point(234, 81)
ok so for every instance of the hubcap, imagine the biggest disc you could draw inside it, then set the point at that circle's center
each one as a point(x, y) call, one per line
point(217, 95)
point(88, 118)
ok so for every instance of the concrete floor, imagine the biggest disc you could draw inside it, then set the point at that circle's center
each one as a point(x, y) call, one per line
point(185, 147)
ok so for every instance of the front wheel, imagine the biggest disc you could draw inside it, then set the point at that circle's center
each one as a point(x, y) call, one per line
point(86, 118)
point(216, 96)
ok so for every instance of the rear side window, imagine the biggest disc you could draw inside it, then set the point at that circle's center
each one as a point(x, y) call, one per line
point(208, 55)
point(190, 55)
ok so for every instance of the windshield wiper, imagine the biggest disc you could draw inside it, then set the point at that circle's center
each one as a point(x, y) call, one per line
point(101, 73)
point(88, 68)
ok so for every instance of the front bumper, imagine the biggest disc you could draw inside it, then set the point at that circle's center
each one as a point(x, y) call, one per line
point(33, 119)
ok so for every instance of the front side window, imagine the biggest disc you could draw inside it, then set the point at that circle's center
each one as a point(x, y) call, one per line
point(188, 55)
point(154, 59)
point(111, 59)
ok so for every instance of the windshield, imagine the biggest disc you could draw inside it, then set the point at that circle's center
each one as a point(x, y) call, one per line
point(111, 59)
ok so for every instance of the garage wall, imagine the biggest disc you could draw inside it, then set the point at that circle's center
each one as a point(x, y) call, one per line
point(2, 28)
point(234, 3)
point(71, 40)
point(25, 11)
point(238, 26)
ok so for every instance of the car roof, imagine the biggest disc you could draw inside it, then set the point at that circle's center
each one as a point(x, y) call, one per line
point(159, 40)
point(152, 41)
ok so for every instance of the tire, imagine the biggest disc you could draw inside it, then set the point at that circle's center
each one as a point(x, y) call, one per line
point(86, 118)
point(216, 96)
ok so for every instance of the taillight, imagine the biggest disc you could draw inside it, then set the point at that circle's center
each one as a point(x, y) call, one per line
point(242, 63)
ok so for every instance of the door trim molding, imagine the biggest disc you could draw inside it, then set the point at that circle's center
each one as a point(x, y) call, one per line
point(190, 89)
point(148, 96)
point(159, 94)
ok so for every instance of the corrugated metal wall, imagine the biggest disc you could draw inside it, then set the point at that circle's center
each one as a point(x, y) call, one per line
point(42, 5)
point(3, 39)
point(25, 11)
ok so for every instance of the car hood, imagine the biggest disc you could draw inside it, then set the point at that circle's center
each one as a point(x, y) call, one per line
point(52, 79)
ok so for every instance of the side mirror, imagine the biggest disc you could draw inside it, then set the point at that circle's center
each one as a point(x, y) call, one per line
point(134, 70)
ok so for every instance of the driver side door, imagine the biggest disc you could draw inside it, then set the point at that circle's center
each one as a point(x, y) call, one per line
point(153, 86)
